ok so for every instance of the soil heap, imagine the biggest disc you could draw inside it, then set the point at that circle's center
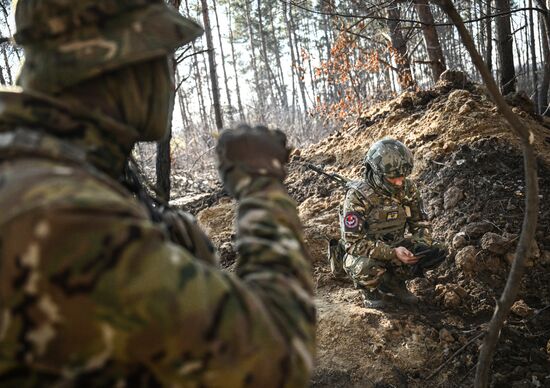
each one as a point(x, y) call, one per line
point(468, 165)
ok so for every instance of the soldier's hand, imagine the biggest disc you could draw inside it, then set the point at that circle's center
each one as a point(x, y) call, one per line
point(246, 153)
point(405, 256)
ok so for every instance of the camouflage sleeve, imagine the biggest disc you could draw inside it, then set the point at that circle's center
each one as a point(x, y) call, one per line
point(183, 229)
point(355, 229)
point(96, 289)
point(417, 221)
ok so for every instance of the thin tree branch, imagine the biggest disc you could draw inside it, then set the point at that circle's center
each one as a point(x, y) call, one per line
point(376, 17)
point(531, 202)
point(183, 58)
point(476, 337)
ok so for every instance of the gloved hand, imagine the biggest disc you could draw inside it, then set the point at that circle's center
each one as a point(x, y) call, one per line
point(430, 257)
point(246, 153)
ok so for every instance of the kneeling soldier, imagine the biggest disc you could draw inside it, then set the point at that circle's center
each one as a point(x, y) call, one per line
point(377, 213)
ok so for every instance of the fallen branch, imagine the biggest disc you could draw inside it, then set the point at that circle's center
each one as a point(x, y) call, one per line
point(531, 202)
point(453, 356)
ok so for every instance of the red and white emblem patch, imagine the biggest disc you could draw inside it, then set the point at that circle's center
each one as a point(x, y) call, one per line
point(351, 221)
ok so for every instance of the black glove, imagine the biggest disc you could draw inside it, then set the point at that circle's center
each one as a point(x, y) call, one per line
point(246, 153)
point(430, 257)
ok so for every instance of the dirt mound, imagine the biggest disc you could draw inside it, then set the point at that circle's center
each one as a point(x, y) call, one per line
point(469, 167)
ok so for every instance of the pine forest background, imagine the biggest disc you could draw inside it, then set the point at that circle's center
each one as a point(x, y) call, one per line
point(308, 67)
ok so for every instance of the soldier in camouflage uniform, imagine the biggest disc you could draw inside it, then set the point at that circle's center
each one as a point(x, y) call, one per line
point(377, 212)
point(93, 291)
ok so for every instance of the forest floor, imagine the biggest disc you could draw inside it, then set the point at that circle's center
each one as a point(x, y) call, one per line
point(468, 165)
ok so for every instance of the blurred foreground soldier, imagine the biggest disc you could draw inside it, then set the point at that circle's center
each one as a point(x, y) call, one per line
point(377, 213)
point(93, 291)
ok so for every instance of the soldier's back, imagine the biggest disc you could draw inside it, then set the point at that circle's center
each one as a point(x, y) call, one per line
point(61, 227)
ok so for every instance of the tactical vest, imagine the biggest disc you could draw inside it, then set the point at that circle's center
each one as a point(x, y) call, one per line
point(388, 217)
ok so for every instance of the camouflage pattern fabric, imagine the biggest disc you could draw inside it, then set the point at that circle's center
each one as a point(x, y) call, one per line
point(373, 224)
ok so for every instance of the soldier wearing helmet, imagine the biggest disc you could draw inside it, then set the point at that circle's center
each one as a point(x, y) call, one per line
point(377, 214)
point(97, 289)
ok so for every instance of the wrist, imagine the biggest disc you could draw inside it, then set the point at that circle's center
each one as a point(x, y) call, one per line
point(254, 184)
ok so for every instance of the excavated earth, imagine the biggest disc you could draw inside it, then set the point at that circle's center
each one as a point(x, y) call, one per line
point(468, 164)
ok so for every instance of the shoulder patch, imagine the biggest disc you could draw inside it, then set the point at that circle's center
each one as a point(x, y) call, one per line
point(351, 221)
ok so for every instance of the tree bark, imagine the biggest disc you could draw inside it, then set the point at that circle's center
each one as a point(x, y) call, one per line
point(292, 57)
point(278, 59)
point(2, 79)
point(272, 80)
point(544, 22)
point(431, 39)
point(534, 58)
point(164, 158)
point(399, 45)
point(257, 85)
point(233, 57)
point(225, 78)
point(198, 79)
point(489, 33)
point(212, 66)
point(531, 204)
point(300, 74)
point(505, 49)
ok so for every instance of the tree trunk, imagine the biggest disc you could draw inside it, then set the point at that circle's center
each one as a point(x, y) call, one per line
point(7, 64)
point(298, 64)
point(505, 49)
point(198, 79)
point(212, 66)
point(534, 58)
point(182, 103)
point(225, 78)
point(261, 104)
point(278, 59)
point(164, 159)
point(399, 45)
point(292, 57)
point(545, 83)
point(233, 57)
point(2, 79)
point(433, 47)
point(308, 53)
point(272, 80)
point(544, 22)
point(489, 33)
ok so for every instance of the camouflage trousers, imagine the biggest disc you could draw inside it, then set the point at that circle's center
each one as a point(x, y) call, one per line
point(369, 273)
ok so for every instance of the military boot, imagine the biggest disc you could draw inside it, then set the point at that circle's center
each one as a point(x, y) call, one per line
point(372, 299)
point(399, 291)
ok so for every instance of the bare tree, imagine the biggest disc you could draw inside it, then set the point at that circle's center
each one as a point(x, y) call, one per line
point(399, 44)
point(431, 38)
point(533, 56)
point(505, 48)
point(164, 157)
point(225, 77)
point(212, 66)
point(489, 38)
point(234, 59)
point(544, 22)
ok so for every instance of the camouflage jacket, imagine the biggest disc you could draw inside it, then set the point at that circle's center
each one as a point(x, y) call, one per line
point(372, 222)
point(92, 293)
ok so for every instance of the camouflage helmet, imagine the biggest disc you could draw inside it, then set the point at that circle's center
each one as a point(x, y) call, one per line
point(68, 41)
point(389, 158)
